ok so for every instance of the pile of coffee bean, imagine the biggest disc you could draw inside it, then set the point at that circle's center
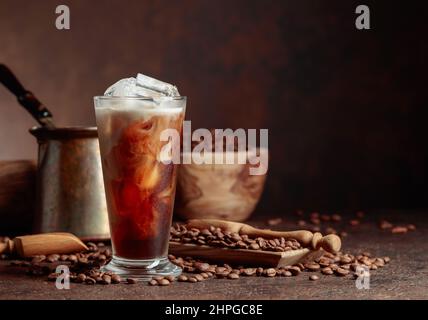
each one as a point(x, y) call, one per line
point(339, 264)
point(219, 238)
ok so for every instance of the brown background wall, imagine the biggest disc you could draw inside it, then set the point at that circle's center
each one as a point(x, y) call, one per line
point(345, 108)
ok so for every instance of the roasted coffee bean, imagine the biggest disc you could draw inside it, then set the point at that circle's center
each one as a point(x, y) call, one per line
point(170, 278)
point(192, 280)
point(131, 280)
point(80, 278)
point(270, 272)
point(153, 282)
point(233, 276)
point(249, 271)
point(312, 266)
point(204, 275)
point(201, 266)
point(72, 258)
point(327, 271)
point(115, 278)
point(199, 277)
point(106, 279)
point(399, 230)
point(354, 222)
point(90, 281)
point(411, 227)
point(254, 246)
point(63, 257)
point(313, 277)
point(345, 260)
point(341, 272)
point(164, 282)
point(52, 257)
point(287, 273)
point(386, 259)
point(182, 278)
point(294, 270)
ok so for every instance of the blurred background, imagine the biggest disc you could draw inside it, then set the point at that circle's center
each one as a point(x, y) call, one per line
point(345, 109)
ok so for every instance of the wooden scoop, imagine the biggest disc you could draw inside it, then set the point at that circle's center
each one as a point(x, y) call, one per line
point(46, 243)
point(330, 243)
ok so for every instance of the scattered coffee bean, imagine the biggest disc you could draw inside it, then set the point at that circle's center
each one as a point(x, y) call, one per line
point(313, 277)
point(132, 280)
point(90, 281)
point(164, 282)
point(341, 272)
point(354, 222)
point(233, 276)
point(182, 278)
point(399, 230)
point(270, 272)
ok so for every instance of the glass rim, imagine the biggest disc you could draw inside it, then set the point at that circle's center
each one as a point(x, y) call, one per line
point(139, 98)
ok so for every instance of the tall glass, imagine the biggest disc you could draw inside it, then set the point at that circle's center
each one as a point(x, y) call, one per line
point(140, 188)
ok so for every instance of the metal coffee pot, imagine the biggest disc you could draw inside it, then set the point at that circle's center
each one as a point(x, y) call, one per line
point(70, 191)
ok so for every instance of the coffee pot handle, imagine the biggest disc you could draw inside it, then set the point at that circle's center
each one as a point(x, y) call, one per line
point(26, 98)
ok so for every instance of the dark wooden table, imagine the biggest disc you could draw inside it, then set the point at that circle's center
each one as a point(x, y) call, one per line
point(405, 277)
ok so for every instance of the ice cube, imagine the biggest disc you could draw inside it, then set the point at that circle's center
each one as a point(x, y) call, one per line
point(160, 87)
point(142, 86)
point(124, 88)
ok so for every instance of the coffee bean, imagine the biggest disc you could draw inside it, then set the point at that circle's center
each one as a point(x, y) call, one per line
point(106, 279)
point(354, 222)
point(270, 272)
point(182, 278)
point(90, 281)
point(345, 260)
point(327, 271)
point(313, 277)
point(287, 273)
point(233, 276)
point(249, 271)
point(399, 230)
point(386, 259)
point(115, 279)
point(164, 282)
point(254, 246)
point(153, 282)
point(411, 227)
point(294, 270)
point(312, 266)
point(341, 272)
point(204, 275)
point(201, 266)
point(192, 280)
point(63, 257)
point(52, 257)
point(199, 277)
point(72, 258)
point(80, 278)
point(131, 280)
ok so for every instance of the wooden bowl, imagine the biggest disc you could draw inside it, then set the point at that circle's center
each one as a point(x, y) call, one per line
point(218, 191)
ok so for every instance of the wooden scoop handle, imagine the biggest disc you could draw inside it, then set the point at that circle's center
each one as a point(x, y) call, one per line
point(43, 244)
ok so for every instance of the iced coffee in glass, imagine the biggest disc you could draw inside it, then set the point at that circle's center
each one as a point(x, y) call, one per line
point(139, 177)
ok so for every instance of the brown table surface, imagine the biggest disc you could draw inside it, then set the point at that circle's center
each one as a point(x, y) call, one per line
point(405, 277)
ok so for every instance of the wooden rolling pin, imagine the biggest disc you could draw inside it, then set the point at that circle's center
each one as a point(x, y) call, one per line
point(330, 243)
point(47, 243)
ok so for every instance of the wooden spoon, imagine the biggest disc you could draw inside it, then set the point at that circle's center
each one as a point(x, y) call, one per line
point(330, 243)
point(46, 243)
